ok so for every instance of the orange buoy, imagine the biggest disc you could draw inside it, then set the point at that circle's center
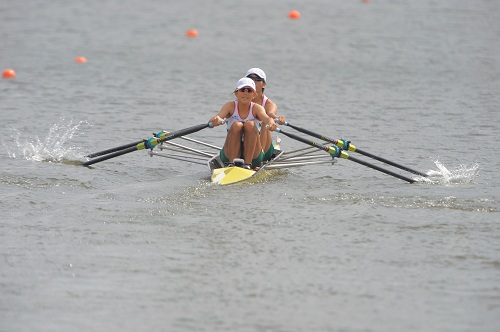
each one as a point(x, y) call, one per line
point(191, 33)
point(9, 73)
point(365, 1)
point(80, 59)
point(294, 14)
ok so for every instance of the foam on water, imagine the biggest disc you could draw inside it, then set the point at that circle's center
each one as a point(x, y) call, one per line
point(461, 174)
point(55, 147)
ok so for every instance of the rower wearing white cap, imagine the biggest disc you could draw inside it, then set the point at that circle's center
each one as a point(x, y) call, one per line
point(259, 77)
point(242, 116)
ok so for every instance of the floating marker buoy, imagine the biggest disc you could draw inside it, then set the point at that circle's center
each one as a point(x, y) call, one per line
point(294, 14)
point(191, 33)
point(9, 73)
point(80, 59)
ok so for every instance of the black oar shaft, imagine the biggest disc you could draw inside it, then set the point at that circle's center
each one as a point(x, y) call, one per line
point(118, 148)
point(311, 133)
point(304, 140)
point(392, 163)
point(111, 155)
point(183, 132)
point(383, 170)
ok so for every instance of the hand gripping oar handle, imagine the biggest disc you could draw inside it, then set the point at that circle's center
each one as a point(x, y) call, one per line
point(150, 143)
point(335, 151)
point(346, 145)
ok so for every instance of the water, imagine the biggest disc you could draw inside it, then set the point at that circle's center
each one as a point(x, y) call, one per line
point(148, 244)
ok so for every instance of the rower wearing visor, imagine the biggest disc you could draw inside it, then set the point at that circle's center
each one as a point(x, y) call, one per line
point(242, 116)
point(259, 77)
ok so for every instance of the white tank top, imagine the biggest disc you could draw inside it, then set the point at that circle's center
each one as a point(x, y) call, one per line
point(235, 117)
point(264, 101)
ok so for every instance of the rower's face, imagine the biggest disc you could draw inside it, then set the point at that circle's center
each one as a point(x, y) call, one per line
point(245, 94)
point(259, 82)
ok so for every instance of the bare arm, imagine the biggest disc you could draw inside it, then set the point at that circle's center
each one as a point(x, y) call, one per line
point(272, 111)
point(225, 112)
point(261, 115)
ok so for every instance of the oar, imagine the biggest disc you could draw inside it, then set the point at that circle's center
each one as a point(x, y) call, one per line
point(346, 145)
point(118, 148)
point(149, 143)
point(335, 151)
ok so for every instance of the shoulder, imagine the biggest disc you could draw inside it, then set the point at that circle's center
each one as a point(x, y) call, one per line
point(258, 107)
point(228, 108)
point(258, 111)
point(270, 105)
point(229, 104)
point(270, 102)
point(267, 100)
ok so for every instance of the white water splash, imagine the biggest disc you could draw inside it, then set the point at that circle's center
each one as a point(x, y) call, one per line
point(462, 174)
point(53, 148)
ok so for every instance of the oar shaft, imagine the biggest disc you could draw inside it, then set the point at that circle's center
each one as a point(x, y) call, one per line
point(311, 133)
point(110, 155)
point(118, 148)
point(183, 132)
point(383, 170)
point(303, 140)
point(392, 163)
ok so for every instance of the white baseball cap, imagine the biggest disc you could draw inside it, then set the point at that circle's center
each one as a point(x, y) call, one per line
point(257, 71)
point(245, 81)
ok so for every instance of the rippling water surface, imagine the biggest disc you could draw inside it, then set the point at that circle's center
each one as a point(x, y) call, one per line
point(137, 243)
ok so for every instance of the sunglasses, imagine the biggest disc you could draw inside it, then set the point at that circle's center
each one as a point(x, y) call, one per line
point(245, 89)
point(256, 78)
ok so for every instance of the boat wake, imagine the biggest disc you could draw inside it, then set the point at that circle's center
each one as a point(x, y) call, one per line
point(53, 148)
point(463, 174)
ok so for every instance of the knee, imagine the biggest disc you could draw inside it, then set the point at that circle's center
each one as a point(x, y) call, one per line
point(250, 126)
point(236, 127)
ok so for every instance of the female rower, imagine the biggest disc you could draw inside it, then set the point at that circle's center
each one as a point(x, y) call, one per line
point(242, 116)
point(259, 77)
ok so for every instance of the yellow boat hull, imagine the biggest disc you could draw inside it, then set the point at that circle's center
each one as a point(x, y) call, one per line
point(235, 174)
point(231, 175)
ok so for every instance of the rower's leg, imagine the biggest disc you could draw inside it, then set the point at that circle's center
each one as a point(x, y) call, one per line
point(265, 138)
point(252, 146)
point(232, 146)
